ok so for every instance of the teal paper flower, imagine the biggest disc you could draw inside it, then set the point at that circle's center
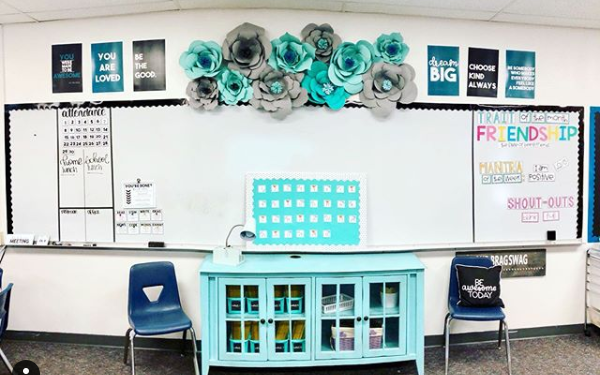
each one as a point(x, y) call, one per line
point(391, 48)
point(349, 62)
point(234, 87)
point(202, 59)
point(321, 90)
point(291, 55)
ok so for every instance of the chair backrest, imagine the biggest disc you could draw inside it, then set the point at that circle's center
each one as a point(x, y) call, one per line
point(146, 275)
point(465, 261)
point(4, 308)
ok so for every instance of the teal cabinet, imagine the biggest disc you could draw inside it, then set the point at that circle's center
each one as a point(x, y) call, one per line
point(276, 310)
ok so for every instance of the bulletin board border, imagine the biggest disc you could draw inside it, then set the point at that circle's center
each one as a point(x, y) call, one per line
point(594, 181)
point(419, 106)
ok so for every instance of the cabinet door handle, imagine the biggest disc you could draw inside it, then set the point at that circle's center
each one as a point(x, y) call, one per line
point(270, 320)
point(366, 318)
point(262, 321)
point(358, 318)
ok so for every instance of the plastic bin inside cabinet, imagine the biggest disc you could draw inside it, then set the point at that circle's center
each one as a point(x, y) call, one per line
point(252, 304)
point(330, 306)
point(234, 299)
point(296, 300)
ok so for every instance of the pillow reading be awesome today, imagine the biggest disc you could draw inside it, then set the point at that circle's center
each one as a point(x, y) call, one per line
point(479, 286)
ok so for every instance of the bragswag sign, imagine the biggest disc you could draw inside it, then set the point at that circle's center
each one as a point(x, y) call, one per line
point(479, 286)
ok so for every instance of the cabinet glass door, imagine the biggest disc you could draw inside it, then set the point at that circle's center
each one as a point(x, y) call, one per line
point(289, 333)
point(338, 330)
point(242, 318)
point(384, 315)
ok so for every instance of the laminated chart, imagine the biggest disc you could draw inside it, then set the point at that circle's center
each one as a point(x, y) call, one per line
point(295, 210)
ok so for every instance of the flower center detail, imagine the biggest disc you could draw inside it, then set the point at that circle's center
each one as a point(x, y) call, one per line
point(392, 49)
point(349, 62)
point(290, 56)
point(276, 88)
point(328, 88)
point(322, 43)
point(386, 85)
point(234, 86)
point(204, 62)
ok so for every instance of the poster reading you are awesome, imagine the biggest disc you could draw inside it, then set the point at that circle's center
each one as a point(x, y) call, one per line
point(483, 72)
point(66, 68)
point(107, 67)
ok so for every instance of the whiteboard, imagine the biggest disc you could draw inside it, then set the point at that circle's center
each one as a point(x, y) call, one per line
point(419, 165)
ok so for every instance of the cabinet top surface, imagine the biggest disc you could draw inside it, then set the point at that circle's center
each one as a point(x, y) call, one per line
point(316, 263)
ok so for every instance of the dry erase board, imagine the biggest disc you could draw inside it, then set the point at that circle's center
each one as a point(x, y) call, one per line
point(132, 172)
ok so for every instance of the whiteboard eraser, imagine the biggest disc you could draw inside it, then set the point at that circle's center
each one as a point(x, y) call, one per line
point(551, 235)
point(156, 244)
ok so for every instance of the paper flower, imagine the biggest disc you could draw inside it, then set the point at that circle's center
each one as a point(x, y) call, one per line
point(322, 38)
point(234, 87)
point(391, 48)
point(202, 59)
point(246, 49)
point(385, 84)
point(203, 92)
point(320, 88)
point(277, 92)
point(291, 55)
point(349, 62)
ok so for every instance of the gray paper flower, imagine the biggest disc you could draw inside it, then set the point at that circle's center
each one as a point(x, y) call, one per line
point(385, 84)
point(203, 93)
point(246, 48)
point(278, 92)
point(322, 38)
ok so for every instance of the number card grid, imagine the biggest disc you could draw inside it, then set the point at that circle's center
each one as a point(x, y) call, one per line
point(294, 211)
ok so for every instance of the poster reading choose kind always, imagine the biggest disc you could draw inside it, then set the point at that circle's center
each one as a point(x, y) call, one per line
point(526, 175)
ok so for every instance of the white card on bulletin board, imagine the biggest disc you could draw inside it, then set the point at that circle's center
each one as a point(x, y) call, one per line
point(139, 194)
point(320, 211)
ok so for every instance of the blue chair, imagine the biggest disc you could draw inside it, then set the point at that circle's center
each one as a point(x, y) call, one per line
point(480, 314)
point(163, 316)
point(4, 309)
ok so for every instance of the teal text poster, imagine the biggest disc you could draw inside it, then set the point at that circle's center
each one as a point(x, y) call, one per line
point(443, 70)
point(107, 67)
point(520, 74)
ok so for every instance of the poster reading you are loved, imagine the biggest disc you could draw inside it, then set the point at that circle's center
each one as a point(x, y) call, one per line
point(107, 67)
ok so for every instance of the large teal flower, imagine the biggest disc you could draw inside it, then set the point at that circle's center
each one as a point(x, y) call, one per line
point(234, 87)
point(391, 48)
point(202, 59)
point(349, 62)
point(291, 55)
point(320, 88)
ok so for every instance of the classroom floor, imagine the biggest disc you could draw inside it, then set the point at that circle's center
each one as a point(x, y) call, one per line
point(564, 355)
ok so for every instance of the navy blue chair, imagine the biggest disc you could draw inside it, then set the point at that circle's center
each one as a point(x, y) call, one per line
point(480, 314)
point(4, 309)
point(160, 317)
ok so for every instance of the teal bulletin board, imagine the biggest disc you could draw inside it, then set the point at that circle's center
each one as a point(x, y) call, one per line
point(299, 210)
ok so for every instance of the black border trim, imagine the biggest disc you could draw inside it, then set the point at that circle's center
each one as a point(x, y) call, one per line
point(181, 102)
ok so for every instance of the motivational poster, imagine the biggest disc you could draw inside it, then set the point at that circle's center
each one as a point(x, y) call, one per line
point(66, 68)
point(443, 70)
point(515, 263)
point(107, 67)
point(149, 65)
point(483, 72)
point(520, 74)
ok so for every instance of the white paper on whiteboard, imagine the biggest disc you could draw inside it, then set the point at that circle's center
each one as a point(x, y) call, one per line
point(139, 194)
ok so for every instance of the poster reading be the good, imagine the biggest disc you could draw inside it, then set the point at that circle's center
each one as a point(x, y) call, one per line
point(520, 79)
point(443, 70)
point(107, 67)
point(66, 68)
point(149, 65)
point(483, 72)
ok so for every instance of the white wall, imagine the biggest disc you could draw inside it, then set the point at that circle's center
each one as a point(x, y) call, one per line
point(86, 292)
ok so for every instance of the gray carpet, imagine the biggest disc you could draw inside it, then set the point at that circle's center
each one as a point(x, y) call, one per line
point(565, 355)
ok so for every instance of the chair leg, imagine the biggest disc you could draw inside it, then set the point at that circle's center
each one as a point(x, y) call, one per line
point(447, 340)
point(444, 335)
point(194, 345)
point(500, 335)
point(183, 343)
point(6, 362)
point(507, 348)
point(131, 338)
point(126, 346)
